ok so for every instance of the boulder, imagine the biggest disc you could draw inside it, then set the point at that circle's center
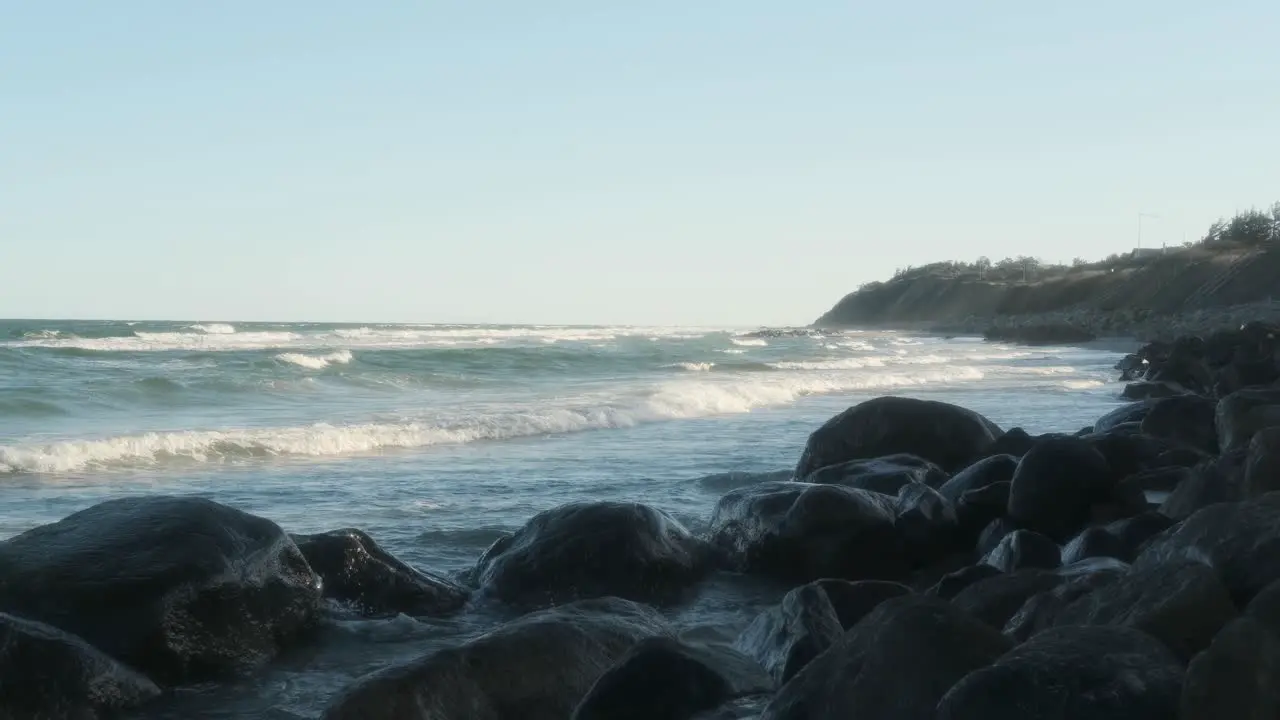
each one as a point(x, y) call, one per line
point(1181, 603)
point(1128, 453)
point(1160, 479)
point(46, 673)
point(1042, 610)
point(947, 435)
point(1072, 673)
point(1055, 485)
point(1185, 370)
point(1217, 480)
point(1130, 412)
point(785, 638)
point(1265, 607)
point(978, 509)
point(182, 588)
point(996, 599)
point(1121, 539)
point(853, 600)
point(1015, 442)
point(1022, 549)
point(538, 667)
point(1237, 677)
point(1239, 540)
point(594, 549)
point(799, 532)
point(1147, 390)
point(747, 708)
point(356, 570)
point(664, 678)
point(954, 582)
point(897, 663)
point(883, 475)
point(1131, 366)
point(992, 535)
point(1188, 420)
point(926, 523)
point(1262, 464)
point(987, 471)
point(1243, 413)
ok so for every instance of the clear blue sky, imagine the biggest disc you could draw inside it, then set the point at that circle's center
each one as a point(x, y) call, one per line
point(647, 162)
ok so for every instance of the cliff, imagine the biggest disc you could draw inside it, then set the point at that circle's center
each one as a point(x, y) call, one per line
point(1148, 296)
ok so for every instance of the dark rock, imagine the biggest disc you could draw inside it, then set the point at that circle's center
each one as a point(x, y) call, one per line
point(1183, 456)
point(979, 508)
point(1126, 499)
point(1181, 603)
point(853, 600)
point(1131, 366)
point(1243, 413)
point(46, 673)
point(357, 571)
point(1022, 549)
point(538, 667)
point(1265, 607)
point(995, 600)
point(1240, 541)
point(1042, 610)
point(1262, 464)
point(594, 549)
point(984, 473)
point(993, 534)
point(1146, 390)
point(1121, 539)
point(1128, 453)
point(945, 434)
point(1217, 480)
point(785, 638)
point(925, 522)
point(1188, 419)
point(897, 663)
point(1015, 442)
point(181, 588)
point(799, 532)
point(1160, 480)
point(747, 708)
point(1185, 370)
point(1238, 677)
point(954, 583)
point(1055, 484)
point(1072, 673)
point(665, 678)
point(1131, 412)
point(883, 475)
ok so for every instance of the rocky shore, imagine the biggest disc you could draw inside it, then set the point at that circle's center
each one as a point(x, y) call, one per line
point(937, 567)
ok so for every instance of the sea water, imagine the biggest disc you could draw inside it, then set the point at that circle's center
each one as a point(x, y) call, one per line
point(436, 439)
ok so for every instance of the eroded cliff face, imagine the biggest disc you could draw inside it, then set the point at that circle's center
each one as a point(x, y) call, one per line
point(1177, 283)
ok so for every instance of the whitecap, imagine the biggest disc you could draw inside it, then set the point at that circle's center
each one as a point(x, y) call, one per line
point(314, 362)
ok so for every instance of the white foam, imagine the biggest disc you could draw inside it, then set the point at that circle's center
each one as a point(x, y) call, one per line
point(694, 366)
point(214, 328)
point(313, 362)
point(749, 342)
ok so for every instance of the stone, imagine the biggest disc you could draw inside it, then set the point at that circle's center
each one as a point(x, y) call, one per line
point(925, 522)
point(986, 472)
point(853, 600)
point(883, 475)
point(947, 435)
point(183, 589)
point(1237, 677)
point(1187, 420)
point(47, 673)
point(897, 663)
point(992, 535)
point(1015, 442)
point(594, 549)
point(978, 509)
point(953, 583)
point(1129, 412)
point(1022, 549)
point(1055, 484)
point(800, 532)
point(1147, 390)
point(1072, 673)
point(1262, 464)
point(785, 638)
point(1217, 480)
point(538, 667)
point(1121, 539)
point(1243, 413)
point(356, 570)
point(996, 599)
point(664, 678)
point(1042, 610)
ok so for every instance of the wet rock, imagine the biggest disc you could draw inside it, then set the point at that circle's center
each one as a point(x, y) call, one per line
point(1016, 442)
point(1240, 541)
point(785, 638)
point(1161, 479)
point(1182, 456)
point(1042, 610)
point(897, 663)
point(1146, 390)
point(594, 549)
point(1022, 549)
point(538, 667)
point(1187, 420)
point(1262, 464)
point(1055, 484)
point(954, 583)
point(1237, 677)
point(1219, 479)
point(853, 600)
point(665, 678)
point(986, 472)
point(978, 509)
point(1184, 370)
point(799, 532)
point(1131, 366)
point(995, 600)
point(1265, 607)
point(883, 475)
point(747, 708)
point(1243, 413)
point(356, 570)
point(947, 435)
point(993, 534)
point(1131, 412)
point(1072, 673)
point(1128, 453)
point(46, 673)
point(1121, 539)
point(925, 522)
point(182, 588)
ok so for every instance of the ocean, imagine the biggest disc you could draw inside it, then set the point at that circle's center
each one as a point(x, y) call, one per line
point(435, 439)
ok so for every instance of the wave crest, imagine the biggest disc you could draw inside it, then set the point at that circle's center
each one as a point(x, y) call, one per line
point(315, 362)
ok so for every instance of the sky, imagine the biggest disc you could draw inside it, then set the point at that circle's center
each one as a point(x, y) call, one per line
point(723, 163)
